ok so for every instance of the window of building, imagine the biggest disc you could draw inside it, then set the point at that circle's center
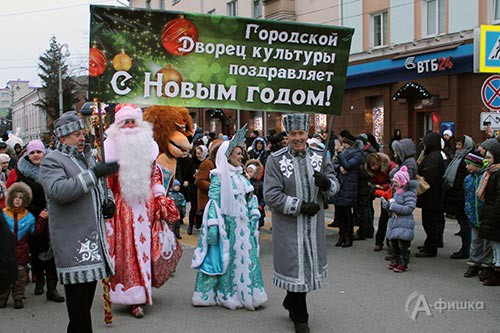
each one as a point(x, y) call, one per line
point(257, 8)
point(211, 11)
point(435, 17)
point(232, 8)
point(496, 11)
point(175, 2)
point(162, 4)
point(379, 29)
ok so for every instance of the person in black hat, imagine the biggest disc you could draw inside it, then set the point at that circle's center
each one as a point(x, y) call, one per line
point(347, 167)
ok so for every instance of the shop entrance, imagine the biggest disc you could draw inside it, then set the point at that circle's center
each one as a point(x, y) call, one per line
point(420, 117)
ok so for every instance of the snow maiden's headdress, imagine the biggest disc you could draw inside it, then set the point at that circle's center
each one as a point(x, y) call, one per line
point(237, 140)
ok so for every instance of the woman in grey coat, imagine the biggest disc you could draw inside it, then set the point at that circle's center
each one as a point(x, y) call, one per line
point(294, 186)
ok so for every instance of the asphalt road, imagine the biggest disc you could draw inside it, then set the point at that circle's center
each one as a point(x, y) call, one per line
point(360, 295)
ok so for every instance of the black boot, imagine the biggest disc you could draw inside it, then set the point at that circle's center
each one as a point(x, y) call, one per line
point(494, 279)
point(472, 271)
point(39, 288)
point(348, 239)
point(190, 229)
point(301, 327)
point(40, 283)
point(18, 303)
point(52, 293)
point(339, 242)
point(485, 273)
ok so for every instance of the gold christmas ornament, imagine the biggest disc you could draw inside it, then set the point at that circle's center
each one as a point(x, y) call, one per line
point(122, 61)
point(169, 74)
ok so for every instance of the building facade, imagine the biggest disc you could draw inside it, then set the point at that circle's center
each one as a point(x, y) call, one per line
point(411, 62)
point(28, 119)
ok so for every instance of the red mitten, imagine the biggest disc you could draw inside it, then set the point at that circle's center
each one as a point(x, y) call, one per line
point(387, 194)
point(166, 210)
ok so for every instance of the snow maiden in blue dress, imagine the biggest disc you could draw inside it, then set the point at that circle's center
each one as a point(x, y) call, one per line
point(227, 254)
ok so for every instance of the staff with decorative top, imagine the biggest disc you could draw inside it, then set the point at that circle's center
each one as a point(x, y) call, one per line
point(227, 254)
point(77, 206)
point(292, 178)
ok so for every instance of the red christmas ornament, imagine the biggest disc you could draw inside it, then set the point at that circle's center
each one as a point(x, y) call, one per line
point(97, 62)
point(172, 33)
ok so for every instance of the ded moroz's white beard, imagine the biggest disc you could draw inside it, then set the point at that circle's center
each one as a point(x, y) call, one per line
point(134, 151)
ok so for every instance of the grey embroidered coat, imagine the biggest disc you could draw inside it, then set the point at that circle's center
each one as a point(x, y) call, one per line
point(76, 224)
point(299, 244)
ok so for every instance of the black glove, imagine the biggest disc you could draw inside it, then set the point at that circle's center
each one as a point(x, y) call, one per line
point(104, 169)
point(108, 209)
point(309, 208)
point(321, 181)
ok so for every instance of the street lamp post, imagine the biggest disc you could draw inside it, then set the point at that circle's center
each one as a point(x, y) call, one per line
point(66, 54)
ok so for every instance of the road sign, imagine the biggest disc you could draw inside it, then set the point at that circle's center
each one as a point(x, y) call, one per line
point(491, 119)
point(490, 92)
point(489, 49)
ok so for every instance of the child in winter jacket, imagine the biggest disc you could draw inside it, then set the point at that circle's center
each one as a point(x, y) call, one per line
point(180, 203)
point(401, 224)
point(255, 173)
point(21, 224)
point(480, 250)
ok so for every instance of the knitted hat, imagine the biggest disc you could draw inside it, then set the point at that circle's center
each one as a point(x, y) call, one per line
point(127, 111)
point(34, 145)
point(252, 167)
point(315, 142)
point(296, 122)
point(177, 182)
point(68, 123)
point(402, 176)
point(4, 158)
point(474, 158)
point(448, 132)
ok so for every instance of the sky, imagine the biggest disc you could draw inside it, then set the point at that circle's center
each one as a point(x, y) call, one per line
point(26, 27)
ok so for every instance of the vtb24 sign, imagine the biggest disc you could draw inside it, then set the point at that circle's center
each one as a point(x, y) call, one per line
point(429, 65)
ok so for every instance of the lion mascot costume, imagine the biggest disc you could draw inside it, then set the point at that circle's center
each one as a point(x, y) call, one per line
point(172, 128)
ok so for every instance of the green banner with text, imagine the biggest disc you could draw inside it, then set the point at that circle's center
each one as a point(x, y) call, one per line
point(211, 61)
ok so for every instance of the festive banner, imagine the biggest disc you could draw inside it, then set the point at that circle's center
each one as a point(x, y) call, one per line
point(198, 60)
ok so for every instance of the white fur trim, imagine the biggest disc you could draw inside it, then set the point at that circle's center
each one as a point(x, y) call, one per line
point(201, 252)
point(158, 190)
point(128, 112)
point(132, 296)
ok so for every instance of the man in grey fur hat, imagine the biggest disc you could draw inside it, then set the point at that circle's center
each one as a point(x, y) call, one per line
point(77, 206)
point(295, 184)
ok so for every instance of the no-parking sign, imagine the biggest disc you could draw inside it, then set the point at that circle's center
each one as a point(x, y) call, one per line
point(490, 92)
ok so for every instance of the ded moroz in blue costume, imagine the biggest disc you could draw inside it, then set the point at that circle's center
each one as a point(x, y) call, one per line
point(292, 178)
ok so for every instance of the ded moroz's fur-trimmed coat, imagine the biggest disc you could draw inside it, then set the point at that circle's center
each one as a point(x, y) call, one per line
point(299, 244)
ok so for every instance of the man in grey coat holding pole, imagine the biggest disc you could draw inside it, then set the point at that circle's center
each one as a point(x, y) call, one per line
point(295, 185)
point(77, 205)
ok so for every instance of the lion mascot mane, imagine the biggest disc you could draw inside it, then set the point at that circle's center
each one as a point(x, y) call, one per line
point(172, 128)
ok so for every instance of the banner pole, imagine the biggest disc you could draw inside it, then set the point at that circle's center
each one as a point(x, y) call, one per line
point(323, 158)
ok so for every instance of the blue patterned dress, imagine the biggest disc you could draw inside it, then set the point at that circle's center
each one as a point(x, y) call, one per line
point(229, 273)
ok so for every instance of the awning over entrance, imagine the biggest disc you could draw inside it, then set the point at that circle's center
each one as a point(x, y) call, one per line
point(445, 62)
point(411, 89)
